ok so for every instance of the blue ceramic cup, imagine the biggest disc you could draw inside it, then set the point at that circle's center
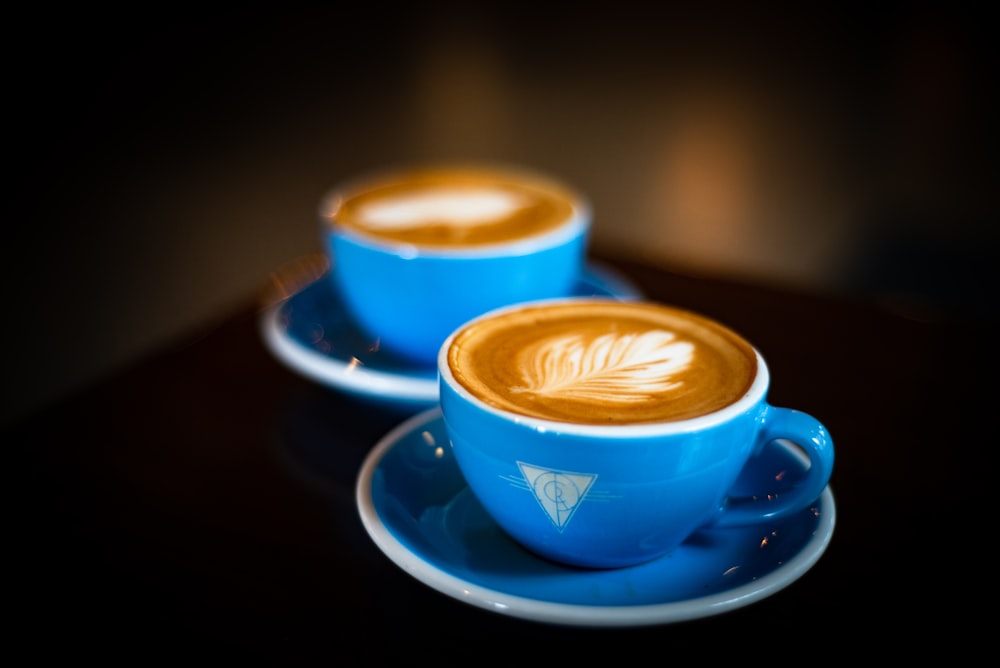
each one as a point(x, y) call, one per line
point(416, 251)
point(601, 433)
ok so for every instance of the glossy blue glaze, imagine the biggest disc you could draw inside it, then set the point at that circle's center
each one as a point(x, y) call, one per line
point(412, 298)
point(612, 496)
point(417, 507)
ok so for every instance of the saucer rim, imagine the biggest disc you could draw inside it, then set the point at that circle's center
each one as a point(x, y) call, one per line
point(341, 374)
point(387, 385)
point(573, 614)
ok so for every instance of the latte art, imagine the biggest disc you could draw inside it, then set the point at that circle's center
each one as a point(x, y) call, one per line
point(599, 361)
point(617, 368)
point(444, 205)
point(454, 206)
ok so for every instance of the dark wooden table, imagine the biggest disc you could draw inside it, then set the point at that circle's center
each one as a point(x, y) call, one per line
point(200, 504)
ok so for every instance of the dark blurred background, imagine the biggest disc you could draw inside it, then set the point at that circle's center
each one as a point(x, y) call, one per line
point(164, 166)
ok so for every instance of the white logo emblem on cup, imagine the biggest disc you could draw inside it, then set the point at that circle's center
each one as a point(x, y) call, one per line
point(559, 493)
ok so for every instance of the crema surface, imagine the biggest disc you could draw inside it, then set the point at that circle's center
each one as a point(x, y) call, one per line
point(453, 206)
point(603, 362)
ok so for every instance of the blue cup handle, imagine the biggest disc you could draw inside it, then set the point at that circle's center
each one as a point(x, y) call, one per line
point(765, 505)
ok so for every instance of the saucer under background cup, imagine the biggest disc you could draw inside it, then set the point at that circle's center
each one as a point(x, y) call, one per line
point(311, 333)
point(416, 507)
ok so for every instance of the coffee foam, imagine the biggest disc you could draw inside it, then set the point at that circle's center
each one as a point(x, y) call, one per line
point(459, 207)
point(454, 206)
point(603, 362)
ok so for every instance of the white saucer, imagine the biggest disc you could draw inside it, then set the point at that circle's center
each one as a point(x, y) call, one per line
point(310, 332)
point(415, 505)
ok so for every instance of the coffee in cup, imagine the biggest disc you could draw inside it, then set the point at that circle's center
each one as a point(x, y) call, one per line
point(415, 251)
point(603, 433)
point(602, 363)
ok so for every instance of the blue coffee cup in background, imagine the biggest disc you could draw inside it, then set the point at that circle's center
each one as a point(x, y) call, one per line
point(415, 251)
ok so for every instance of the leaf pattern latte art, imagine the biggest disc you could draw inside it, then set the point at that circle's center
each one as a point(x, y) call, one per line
point(624, 368)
